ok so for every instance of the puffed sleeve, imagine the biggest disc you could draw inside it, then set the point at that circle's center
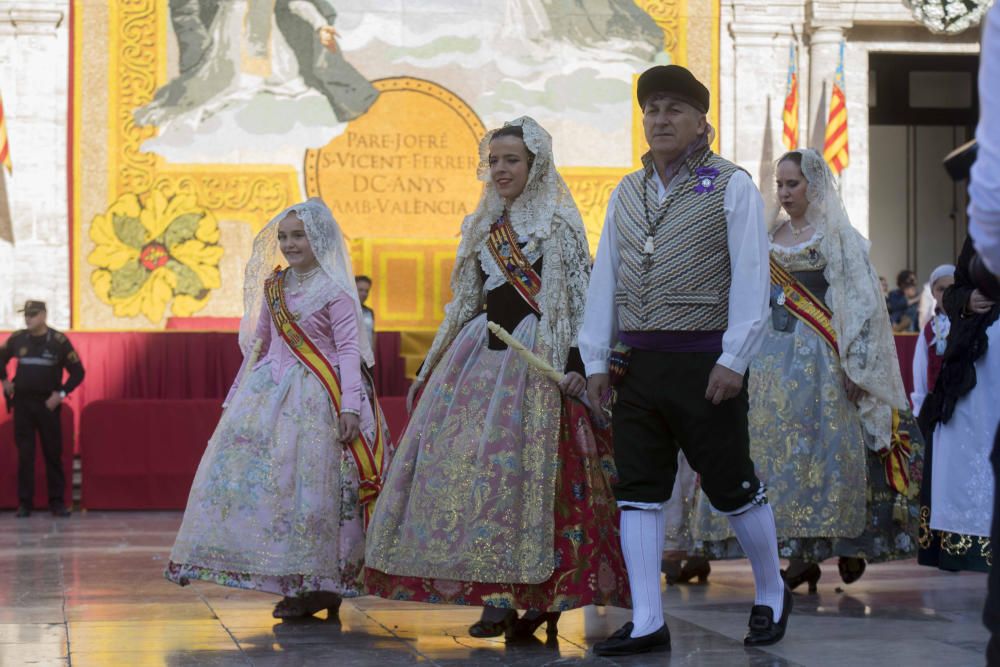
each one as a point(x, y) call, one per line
point(344, 322)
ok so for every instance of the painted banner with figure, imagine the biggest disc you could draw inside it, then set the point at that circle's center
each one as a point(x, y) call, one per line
point(196, 121)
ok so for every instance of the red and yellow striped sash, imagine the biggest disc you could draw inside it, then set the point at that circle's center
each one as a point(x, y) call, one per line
point(804, 305)
point(897, 458)
point(502, 244)
point(812, 312)
point(368, 456)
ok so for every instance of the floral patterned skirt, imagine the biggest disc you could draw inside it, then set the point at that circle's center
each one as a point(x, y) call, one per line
point(828, 489)
point(274, 504)
point(589, 568)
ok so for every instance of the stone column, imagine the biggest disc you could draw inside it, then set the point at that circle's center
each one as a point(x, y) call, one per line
point(34, 62)
point(754, 86)
point(824, 55)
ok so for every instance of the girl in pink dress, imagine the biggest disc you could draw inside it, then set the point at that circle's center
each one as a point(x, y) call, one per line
point(277, 503)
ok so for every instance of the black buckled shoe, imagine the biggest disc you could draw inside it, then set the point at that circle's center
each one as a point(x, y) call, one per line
point(22, 511)
point(59, 510)
point(622, 642)
point(764, 631)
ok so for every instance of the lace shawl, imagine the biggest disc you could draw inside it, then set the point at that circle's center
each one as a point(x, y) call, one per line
point(864, 335)
point(547, 217)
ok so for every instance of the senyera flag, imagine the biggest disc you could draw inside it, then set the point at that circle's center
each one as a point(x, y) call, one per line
point(790, 114)
point(835, 150)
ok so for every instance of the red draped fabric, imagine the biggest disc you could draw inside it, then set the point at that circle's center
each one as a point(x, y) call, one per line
point(905, 346)
point(184, 365)
point(137, 454)
point(156, 397)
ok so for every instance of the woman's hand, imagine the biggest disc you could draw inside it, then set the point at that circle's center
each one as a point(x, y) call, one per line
point(978, 303)
point(573, 384)
point(854, 392)
point(350, 428)
point(411, 395)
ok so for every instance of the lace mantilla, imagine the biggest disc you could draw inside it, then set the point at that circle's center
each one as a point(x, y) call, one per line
point(337, 273)
point(547, 216)
point(864, 335)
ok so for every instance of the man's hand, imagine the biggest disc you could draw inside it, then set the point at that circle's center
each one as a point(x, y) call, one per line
point(53, 401)
point(572, 384)
point(411, 395)
point(723, 384)
point(979, 303)
point(597, 389)
point(854, 392)
point(328, 38)
point(350, 428)
point(8, 388)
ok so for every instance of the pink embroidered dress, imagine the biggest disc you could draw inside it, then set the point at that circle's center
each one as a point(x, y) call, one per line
point(274, 504)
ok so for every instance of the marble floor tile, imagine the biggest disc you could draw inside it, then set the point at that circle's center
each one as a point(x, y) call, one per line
point(90, 591)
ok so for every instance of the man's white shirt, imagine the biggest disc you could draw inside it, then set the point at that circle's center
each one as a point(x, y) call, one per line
point(748, 294)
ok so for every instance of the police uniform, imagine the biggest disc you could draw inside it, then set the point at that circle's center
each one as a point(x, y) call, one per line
point(40, 364)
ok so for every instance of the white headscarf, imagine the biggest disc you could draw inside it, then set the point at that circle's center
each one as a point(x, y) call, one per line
point(545, 215)
point(860, 318)
point(940, 272)
point(327, 243)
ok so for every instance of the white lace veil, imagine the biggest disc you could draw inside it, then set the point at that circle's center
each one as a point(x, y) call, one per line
point(545, 215)
point(327, 242)
point(860, 318)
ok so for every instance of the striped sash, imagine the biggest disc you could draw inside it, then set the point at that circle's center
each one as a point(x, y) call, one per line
point(803, 304)
point(502, 244)
point(368, 456)
point(815, 314)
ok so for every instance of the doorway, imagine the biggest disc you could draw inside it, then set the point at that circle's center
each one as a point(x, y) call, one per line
point(921, 107)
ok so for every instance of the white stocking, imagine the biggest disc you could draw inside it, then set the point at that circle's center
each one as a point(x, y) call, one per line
point(642, 534)
point(757, 535)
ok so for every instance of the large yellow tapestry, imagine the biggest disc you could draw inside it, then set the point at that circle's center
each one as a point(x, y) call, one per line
point(195, 121)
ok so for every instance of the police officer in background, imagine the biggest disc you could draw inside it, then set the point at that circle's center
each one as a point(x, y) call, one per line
point(36, 394)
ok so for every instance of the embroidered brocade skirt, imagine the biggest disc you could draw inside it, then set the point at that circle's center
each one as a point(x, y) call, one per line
point(467, 474)
point(828, 490)
point(274, 504)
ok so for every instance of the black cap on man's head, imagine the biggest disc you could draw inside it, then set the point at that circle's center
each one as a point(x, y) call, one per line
point(677, 82)
point(32, 307)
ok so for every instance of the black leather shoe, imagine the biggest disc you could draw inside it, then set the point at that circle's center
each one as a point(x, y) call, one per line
point(622, 642)
point(763, 629)
point(59, 510)
point(671, 569)
point(22, 511)
point(809, 575)
point(850, 569)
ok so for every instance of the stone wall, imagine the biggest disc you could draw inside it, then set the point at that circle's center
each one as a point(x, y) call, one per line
point(754, 47)
point(34, 66)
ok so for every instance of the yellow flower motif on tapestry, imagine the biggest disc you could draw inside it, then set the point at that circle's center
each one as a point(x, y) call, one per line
point(155, 251)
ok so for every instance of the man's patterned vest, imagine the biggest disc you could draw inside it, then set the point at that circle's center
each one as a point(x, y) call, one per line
point(684, 284)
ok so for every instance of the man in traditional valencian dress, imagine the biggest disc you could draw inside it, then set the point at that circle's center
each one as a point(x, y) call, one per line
point(680, 285)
